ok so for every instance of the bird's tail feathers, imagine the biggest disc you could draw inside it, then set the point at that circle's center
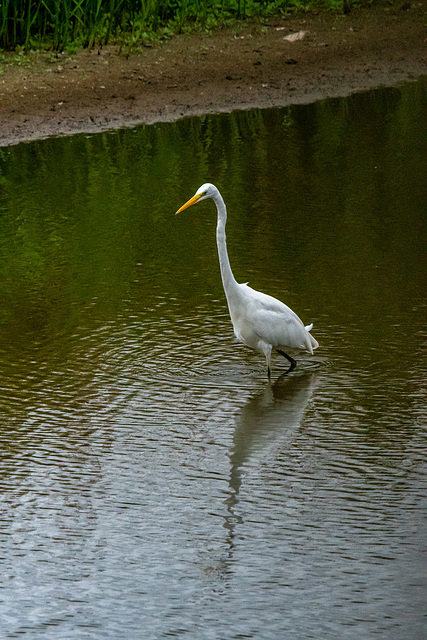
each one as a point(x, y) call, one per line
point(312, 341)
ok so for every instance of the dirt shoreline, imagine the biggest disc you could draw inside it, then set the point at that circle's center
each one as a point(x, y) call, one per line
point(248, 65)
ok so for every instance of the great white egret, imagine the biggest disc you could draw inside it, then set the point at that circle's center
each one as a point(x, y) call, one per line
point(259, 320)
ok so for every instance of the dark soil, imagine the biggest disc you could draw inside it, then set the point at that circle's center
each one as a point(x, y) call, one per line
point(248, 65)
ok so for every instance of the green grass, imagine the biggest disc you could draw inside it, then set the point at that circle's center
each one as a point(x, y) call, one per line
point(58, 24)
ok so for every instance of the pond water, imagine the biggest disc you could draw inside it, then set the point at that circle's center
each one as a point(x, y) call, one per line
point(152, 483)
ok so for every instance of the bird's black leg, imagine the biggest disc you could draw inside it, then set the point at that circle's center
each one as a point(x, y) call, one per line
point(267, 359)
point(291, 360)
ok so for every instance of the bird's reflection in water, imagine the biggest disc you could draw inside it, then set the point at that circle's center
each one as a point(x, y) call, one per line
point(269, 418)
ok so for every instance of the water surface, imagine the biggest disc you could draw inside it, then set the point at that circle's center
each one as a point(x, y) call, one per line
point(153, 485)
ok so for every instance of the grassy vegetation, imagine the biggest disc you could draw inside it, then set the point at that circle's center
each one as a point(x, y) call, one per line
point(58, 24)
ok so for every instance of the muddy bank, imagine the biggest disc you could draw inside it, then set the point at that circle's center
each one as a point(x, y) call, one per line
point(253, 64)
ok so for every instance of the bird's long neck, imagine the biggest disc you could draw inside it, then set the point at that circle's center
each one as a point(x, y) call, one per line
point(228, 280)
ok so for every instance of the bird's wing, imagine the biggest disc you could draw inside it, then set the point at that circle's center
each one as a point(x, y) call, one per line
point(275, 322)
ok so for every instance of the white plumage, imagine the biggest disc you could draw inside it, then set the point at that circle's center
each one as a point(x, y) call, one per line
point(259, 320)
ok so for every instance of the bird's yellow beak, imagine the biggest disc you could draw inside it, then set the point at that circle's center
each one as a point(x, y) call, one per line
point(191, 201)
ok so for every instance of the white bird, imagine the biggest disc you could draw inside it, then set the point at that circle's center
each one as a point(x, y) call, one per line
point(259, 320)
